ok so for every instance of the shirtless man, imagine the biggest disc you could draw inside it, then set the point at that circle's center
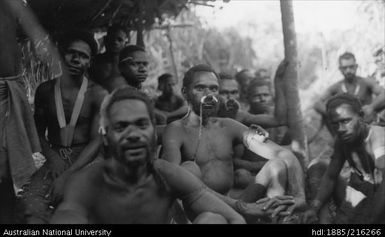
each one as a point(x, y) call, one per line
point(67, 108)
point(204, 144)
point(244, 77)
point(168, 102)
point(133, 186)
point(362, 200)
point(105, 66)
point(362, 88)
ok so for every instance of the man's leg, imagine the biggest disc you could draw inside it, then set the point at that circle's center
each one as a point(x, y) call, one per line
point(270, 181)
point(209, 218)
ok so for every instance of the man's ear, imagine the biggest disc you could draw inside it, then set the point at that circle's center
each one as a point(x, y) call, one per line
point(184, 93)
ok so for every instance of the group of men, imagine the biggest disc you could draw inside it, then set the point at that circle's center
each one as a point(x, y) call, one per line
point(217, 155)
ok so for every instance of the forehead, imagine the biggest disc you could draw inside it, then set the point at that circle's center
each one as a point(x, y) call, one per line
point(128, 110)
point(260, 90)
point(80, 46)
point(228, 84)
point(139, 56)
point(343, 111)
point(119, 33)
point(204, 78)
point(347, 61)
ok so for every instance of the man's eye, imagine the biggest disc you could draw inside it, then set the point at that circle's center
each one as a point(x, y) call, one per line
point(118, 128)
point(199, 88)
point(143, 124)
point(214, 89)
point(345, 121)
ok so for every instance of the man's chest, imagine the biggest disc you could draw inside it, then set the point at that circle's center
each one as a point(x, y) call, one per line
point(148, 205)
point(204, 145)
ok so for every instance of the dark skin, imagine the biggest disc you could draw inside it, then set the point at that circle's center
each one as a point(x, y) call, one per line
point(168, 102)
point(77, 57)
point(105, 66)
point(211, 159)
point(352, 131)
point(368, 89)
point(128, 191)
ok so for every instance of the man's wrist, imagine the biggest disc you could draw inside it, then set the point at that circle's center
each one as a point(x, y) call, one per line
point(240, 207)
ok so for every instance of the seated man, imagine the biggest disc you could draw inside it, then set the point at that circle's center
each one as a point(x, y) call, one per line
point(367, 91)
point(66, 109)
point(246, 163)
point(168, 102)
point(204, 144)
point(133, 186)
point(362, 199)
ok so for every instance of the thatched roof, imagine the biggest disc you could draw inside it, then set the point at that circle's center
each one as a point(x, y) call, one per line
point(57, 15)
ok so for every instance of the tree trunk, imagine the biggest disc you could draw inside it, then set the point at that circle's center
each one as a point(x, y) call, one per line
point(294, 113)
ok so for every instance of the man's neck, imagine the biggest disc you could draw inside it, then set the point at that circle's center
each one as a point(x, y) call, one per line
point(351, 81)
point(196, 120)
point(135, 85)
point(132, 176)
point(72, 82)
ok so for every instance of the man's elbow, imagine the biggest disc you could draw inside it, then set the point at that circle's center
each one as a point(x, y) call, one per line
point(68, 217)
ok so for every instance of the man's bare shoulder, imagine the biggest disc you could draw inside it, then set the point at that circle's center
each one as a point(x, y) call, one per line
point(378, 133)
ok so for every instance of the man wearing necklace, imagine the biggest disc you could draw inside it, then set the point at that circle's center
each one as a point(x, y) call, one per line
point(204, 143)
point(132, 186)
point(362, 88)
point(362, 200)
point(66, 109)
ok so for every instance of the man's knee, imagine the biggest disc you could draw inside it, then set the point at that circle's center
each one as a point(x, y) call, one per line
point(210, 218)
point(242, 178)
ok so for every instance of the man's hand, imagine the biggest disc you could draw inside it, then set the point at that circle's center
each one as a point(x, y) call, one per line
point(57, 189)
point(279, 205)
point(232, 107)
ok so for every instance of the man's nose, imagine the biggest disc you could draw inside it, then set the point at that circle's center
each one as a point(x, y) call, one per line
point(341, 128)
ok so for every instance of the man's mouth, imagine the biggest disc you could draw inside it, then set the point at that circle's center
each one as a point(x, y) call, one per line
point(74, 69)
point(141, 78)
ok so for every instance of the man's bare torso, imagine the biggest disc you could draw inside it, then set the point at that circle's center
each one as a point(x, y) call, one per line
point(212, 152)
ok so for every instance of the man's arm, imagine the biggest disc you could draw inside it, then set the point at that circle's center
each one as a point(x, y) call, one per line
point(73, 209)
point(172, 143)
point(194, 193)
point(329, 180)
point(378, 103)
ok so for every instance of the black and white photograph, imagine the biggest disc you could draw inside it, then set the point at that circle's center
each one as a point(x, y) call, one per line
point(259, 112)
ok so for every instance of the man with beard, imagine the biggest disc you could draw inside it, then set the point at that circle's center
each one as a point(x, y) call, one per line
point(171, 105)
point(66, 109)
point(105, 66)
point(132, 186)
point(204, 144)
point(363, 89)
point(362, 199)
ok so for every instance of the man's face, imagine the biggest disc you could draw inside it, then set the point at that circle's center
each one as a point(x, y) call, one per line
point(116, 41)
point(167, 86)
point(229, 90)
point(346, 123)
point(246, 77)
point(136, 67)
point(260, 99)
point(77, 57)
point(204, 84)
point(131, 134)
point(348, 68)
